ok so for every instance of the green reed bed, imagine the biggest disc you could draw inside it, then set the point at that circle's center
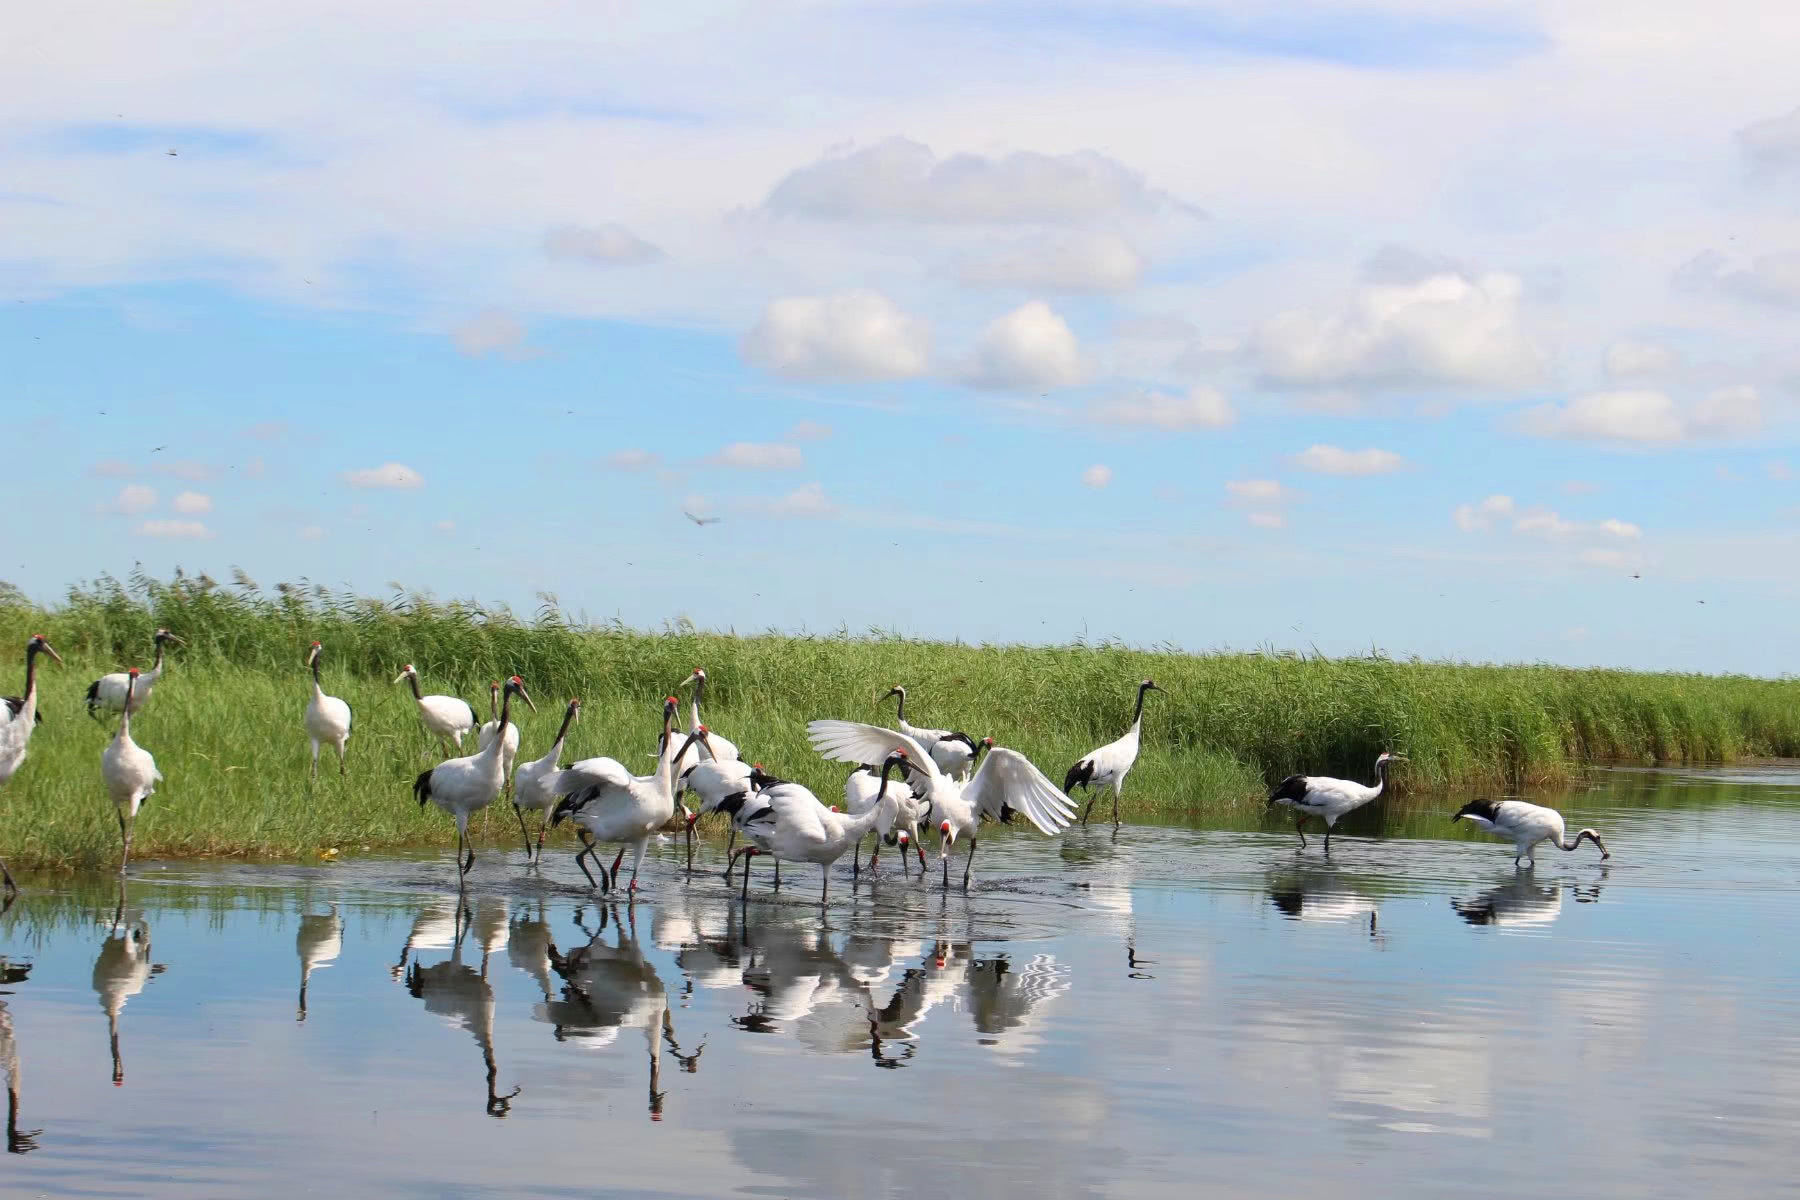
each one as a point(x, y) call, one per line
point(225, 724)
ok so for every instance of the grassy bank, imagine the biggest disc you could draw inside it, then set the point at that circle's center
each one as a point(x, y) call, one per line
point(225, 725)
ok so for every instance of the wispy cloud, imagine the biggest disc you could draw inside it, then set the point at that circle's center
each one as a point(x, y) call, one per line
point(759, 456)
point(1334, 460)
point(392, 476)
point(132, 498)
point(633, 460)
point(183, 530)
point(192, 503)
point(491, 331)
point(609, 245)
point(1097, 476)
point(1647, 417)
point(1197, 408)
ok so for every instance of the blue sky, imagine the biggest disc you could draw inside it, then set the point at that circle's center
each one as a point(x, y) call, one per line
point(1461, 331)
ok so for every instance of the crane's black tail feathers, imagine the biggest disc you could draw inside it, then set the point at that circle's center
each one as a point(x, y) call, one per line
point(93, 699)
point(1079, 775)
point(1291, 788)
point(422, 787)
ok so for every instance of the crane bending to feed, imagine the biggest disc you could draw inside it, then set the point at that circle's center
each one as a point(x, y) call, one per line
point(1525, 825)
point(447, 718)
point(1327, 798)
point(807, 831)
point(1108, 766)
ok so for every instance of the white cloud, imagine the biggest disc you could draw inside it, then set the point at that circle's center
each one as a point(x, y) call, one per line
point(112, 468)
point(1472, 518)
point(1772, 144)
point(393, 476)
point(1267, 520)
point(1647, 417)
point(1198, 408)
point(312, 533)
point(1069, 262)
point(807, 431)
point(490, 331)
point(759, 456)
point(612, 245)
point(1446, 330)
point(192, 470)
point(1334, 460)
point(904, 181)
point(1097, 476)
point(633, 460)
point(1620, 529)
point(1768, 279)
point(132, 498)
point(1259, 491)
point(1543, 522)
point(187, 530)
point(1029, 347)
point(850, 336)
point(1629, 359)
point(192, 503)
point(808, 501)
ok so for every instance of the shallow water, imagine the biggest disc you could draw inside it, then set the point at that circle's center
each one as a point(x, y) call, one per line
point(1146, 1014)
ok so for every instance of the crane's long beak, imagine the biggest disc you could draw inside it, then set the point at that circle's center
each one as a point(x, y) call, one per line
point(48, 649)
point(401, 677)
point(526, 697)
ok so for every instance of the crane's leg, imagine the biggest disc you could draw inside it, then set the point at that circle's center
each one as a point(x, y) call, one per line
point(824, 882)
point(1328, 839)
point(12, 889)
point(778, 874)
point(876, 856)
point(1297, 829)
point(586, 851)
point(1118, 786)
point(125, 837)
point(945, 859)
point(746, 854)
point(970, 864)
point(731, 841)
point(637, 860)
point(855, 857)
point(1090, 804)
point(343, 749)
point(921, 852)
point(523, 832)
point(315, 766)
point(462, 838)
point(612, 876)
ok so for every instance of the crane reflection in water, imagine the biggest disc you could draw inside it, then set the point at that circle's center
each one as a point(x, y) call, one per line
point(458, 992)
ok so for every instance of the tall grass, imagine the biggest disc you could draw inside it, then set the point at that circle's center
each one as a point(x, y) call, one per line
point(225, 725)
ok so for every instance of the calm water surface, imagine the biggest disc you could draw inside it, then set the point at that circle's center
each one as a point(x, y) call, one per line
point(1146, 1014)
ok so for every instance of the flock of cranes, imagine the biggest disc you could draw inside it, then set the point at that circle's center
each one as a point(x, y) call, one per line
point(906, 783)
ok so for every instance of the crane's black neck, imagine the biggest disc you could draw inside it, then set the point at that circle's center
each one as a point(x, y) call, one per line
point(568, 716)
point(699, 687)
point(1381, 772)
point(493, 695)
point(156, 667)
point(317, 655)
point(505, 712)
point(31, 652)
point(900, 712)
point(1143, 690)
point(412, 677)
point(125, 717)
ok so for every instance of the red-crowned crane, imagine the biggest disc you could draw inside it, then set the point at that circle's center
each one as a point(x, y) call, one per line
point(714, 746)
point(1006, 783)
point(447, 718)
point(618, 806)
point(807, 831)
point(952, 750)
point(1327, 798)
point(18, 718)
point(1108, 766)
point(862, 791)
point(535, 782)
point(108, 692)
point(465, 786)
point(1525, 825)
point(130, 773)
point(327, 717)
point(509, 743)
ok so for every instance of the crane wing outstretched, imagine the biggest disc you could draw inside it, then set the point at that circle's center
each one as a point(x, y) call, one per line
point(1008, 779)
point(854, 742)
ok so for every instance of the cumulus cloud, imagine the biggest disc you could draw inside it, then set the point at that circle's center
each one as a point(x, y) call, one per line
point(807, 431)
point(190, 469)
point(1267, 520)
point(1197, 408)
point(1471, 518)
point(393, 476)
point(759, 456)
point(1258, 491)
point(1069, 262)
point(1501, 511)
point(491, 331)
point(188, 530)
point(1446, 330)
point(633, 460)
point(1627, 359)
point(1772, 144)
point(854, 335)
point(112, 468)
point(1029, 347)
point(1768, 279)
point(609, 245)
point(905, 181)
point(1334, 460)
point(809, 501)
point(1097, 476)
point(132, 498)
point(192, 503)
point(1647, 417)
